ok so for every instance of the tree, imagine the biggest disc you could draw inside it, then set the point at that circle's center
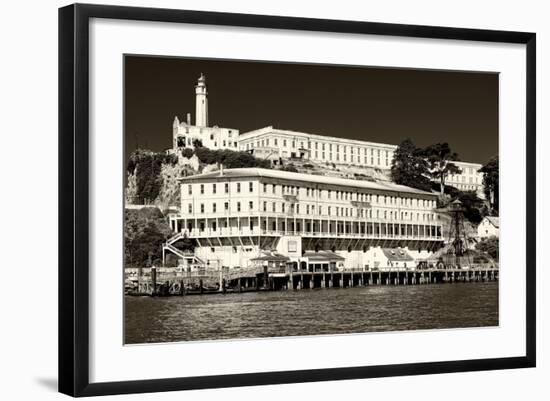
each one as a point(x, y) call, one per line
point(146, 167)
point(473, 206)
point(290, 167)
point(489, 246)
point(230, 158)
point(490, 182)
point(440, 165)
point(145, 230)
point(131, 188)
point(152, 176)
point(187, 152)
point(409, 167)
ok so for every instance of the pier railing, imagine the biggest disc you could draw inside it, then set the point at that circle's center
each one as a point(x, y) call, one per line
point(174, 273)
point(174, 281)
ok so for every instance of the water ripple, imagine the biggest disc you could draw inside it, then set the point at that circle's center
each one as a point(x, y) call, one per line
point(310, 312)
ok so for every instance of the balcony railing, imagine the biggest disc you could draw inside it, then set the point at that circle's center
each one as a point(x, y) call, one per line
point(292, 214)
point(221, 232)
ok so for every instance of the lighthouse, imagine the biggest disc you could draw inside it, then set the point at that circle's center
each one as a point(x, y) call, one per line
point(185, 135)
point(201, 103)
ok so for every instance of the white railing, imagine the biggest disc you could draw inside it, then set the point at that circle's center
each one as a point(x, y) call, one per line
point(134, 272)
point(290, 215)
point(208, 232)
point(175, 238)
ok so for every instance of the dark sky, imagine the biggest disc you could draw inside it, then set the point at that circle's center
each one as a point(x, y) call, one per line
point(372, 104)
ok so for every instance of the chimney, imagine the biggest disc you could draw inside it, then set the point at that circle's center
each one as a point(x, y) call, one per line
point(188, 118)
point(221, 170)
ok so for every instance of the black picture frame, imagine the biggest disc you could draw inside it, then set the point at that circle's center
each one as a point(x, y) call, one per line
point(74, 201)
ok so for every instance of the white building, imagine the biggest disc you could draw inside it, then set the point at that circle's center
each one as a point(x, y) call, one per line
point(278, 144)
point(489, 227)
point(184, 133)
point(470, 179)
point(234, 215)
point(281, 145)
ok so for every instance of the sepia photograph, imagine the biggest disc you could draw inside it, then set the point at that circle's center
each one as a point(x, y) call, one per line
point(270, 199)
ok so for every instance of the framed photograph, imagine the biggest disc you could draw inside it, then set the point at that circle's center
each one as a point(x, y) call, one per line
point(251, 199)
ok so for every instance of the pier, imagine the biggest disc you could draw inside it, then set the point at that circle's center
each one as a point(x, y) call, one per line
point(165, 281)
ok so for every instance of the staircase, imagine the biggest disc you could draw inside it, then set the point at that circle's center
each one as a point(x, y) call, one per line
point(169, 246)
point(174, 238)
point(178, 252)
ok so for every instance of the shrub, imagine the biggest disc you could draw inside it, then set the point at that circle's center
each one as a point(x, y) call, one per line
point(489, 246)
point(146, 166)
point(289, 167)
point(187, 152)
point(145, 230)
point(230, 158)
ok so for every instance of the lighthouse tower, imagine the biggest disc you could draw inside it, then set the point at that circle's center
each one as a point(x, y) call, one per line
point(201, 103)
point(185, 134)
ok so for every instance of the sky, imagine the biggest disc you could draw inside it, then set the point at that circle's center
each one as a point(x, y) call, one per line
point(373, 104)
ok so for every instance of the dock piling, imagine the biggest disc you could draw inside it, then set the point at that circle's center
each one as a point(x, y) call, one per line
point(154, 281)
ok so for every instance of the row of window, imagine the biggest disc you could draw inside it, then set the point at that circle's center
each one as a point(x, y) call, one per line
point(462, 178)
point(315, 145)
point(225, 144)
point(348, 195)
point(352, 158)
point(215, 188)
point(229, 134)
point(467, 187)
point(182, 142)
point(320, 194)
point(200, 129)
point(311, 210)
point(375, 155)
point(308, 227)
point(469, 170)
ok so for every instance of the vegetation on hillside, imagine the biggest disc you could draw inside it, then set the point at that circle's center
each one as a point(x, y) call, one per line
point(153, 176)
point(409, 167)
point(490, 246)
point(439, 158)
point(153, 179)
point(289, 167)
point(169, 191)
point(144, 232)
point(491, 183)
point(415, 167)
point(229, 158)
point(474, 208)
point(145, 166)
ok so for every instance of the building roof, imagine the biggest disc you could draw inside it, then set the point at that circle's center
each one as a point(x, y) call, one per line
point(271, 257)
point(397, 255)
point(270, 130)
point(322, 256)
point(310, 178)
point(494, 220)
point(467, 164)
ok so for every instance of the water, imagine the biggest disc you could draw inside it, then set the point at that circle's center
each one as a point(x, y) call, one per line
point(311, 312)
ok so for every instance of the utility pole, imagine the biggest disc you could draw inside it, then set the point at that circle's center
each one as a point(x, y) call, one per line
point(457, 215)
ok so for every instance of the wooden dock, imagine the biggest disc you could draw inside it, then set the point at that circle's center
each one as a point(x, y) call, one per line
point(164, 281)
